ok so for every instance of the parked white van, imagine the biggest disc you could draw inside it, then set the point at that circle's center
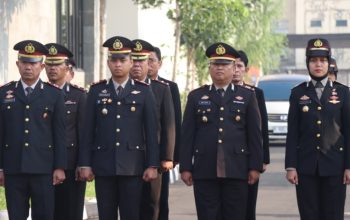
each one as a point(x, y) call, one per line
point(277, 89)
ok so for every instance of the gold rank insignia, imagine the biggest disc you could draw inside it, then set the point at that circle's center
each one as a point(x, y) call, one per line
point(239, 98)
point(204, 119)
point(220, 50)
point(138, 46)
point(45, 115)
point(109, 101)
point(117, 45)
point(318, 43)
point(305, 108)
point(205, 97)
point(52, 50)
point(104, 91)
point(29, 48)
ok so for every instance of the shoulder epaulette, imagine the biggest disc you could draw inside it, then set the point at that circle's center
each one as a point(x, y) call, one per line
point(341, 84)
point(248, 87)
point(201, 87)
point(160, 81)
point(78, 87)
point(140, 82)
point(300, 84)
point(53, 85)
point(7, 84)
point(98, 82)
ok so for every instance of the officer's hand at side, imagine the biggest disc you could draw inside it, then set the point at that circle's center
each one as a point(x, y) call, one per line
point(86, 174)
point(77, 174)
point(253, 176)
point(58, 176)
point(166, 165)
point(186, 176)
point(2, 178)
point(292, 176)
point(150, 173)
point(346, 177)
point(264, 167)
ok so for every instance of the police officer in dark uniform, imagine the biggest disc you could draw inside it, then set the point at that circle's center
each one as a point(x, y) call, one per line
point(166, 126)
point(32, 137)
point(318, 140)
point(241, 69)
point(120, 136)
point(221, 144)
point(155, 63)
point(333, 70)
point(69, 196)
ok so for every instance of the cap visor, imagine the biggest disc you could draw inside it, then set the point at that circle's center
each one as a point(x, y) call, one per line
point(30, 59)
point(318, 53)
point(221, 61)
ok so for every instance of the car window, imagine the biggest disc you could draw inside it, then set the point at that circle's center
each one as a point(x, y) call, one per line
point(277, 90)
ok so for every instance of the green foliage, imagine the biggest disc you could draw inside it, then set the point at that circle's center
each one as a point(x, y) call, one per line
point(2, 199)
point(149, 3)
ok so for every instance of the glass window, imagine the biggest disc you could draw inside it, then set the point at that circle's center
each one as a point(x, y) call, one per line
point(341, 23)
point(277, 90)
point(316, 23)
point(69, 27)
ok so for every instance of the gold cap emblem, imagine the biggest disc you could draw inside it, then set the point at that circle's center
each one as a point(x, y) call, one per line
point(138, 46)
point(220, 50)
point(318, 43)
point(117, 45)
point(52, 50)
point(29, 48)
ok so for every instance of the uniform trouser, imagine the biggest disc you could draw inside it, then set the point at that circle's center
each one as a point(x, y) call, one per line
point(221, 198)
point(252, 197)
point(321, 198)
point(151, 198)
point(123, 192)
point(164, 196)
point(37, 188)
point(69, 198)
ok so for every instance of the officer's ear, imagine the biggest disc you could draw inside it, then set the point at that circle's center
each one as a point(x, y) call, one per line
point(42, 66)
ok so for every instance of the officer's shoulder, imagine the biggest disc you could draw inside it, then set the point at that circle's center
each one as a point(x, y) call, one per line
point(169, 82)
point(336, 83)
point(137, 82)
point(199, 90)
point(8, 84)
point(161, 82)
point(246, 88)
point(100, 82)
point(301, 85)
point(76, 87)
point(51, 85)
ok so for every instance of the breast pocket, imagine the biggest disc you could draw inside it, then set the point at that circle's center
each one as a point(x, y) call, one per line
point(237, 115)
point(204, 112)
point(133, 107)
point(71, 110)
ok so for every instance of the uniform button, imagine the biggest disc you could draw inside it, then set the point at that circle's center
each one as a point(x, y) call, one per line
point(319, 108)
point(26, 131)
point(238, 110)
point(222, 108)
point(341, 149)
point(26, 119)
point(197, 150)
point(98, 148)
point(221, 118)
point(319, 122)
point(318, 147)
point(117, 130)
point(26, 144)
point(72, 144)
point(118, 116)
point(49, 146)
point(242, 150)
point(68, 112)
point(221, 130)
point(119, 103)
point(137, 147)
point(6, 145)
point(318, 135)
point(27, 106)
point(8, 107)
point(220, 141)
point(117, 144)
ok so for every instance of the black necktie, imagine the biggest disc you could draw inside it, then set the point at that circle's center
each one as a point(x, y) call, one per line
point(221, 92)
point(29, 91)
point(319, 89)
point(119, 91)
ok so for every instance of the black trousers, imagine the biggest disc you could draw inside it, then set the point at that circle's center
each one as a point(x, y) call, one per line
point(37, 188)
point(69, 198)
point(252, 197)
point(151, 198)
point(221, 199)
point(164, 197)
point(321, 198)
point(123, 192)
